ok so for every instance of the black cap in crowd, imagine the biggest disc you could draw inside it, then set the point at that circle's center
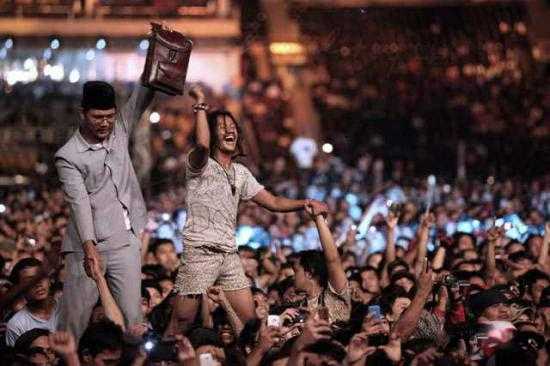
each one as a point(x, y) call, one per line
point(484, 299)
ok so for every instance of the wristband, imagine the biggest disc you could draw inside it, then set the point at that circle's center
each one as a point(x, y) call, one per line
point(200, 107)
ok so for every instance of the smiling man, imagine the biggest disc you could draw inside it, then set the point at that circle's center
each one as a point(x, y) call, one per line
point(107, 209)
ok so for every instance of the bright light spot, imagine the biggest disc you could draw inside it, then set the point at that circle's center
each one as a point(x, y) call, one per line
point(9, 43)
point(47, 54)
point(55, 72)
point(154, 117)
point(101, 44)
point(54, 44)
point(144, 44)
point(41, 168)
point(90, 55)
point(446, 188)
point(28, 64)
point(166, 135)
point(431, 180)
point(165, 217)
point(286, 48)
point(148, 345)
point(19, 179)
point(2, 208)
point(327, 148)
point(74, 76)
point(3, 53)
point(21, 76)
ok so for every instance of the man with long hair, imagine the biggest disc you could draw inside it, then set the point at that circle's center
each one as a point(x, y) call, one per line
point(216, 184)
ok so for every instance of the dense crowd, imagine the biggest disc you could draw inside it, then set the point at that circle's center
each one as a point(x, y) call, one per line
point(413, 273)
point(407, 269)
point(441, 74)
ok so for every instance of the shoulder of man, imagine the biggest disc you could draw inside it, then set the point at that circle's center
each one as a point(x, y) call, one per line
point(17, 319)
point(68, 149)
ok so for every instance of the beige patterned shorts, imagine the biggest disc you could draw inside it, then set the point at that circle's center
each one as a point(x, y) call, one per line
point(202, 267)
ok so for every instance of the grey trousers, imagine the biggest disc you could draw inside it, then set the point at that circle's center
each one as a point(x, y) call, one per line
point(122, 268)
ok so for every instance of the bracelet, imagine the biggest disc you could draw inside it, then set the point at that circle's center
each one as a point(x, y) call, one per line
point(200, 107)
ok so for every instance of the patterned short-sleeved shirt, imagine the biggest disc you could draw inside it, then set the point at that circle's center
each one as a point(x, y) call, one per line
point(338, 304)
point(211, 205)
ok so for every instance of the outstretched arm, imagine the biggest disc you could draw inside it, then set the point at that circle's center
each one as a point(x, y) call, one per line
point(281, 204)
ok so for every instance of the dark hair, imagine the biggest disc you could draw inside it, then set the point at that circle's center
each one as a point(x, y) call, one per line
point(314, 263)
point(249, 332)
point(369, 269)
point(204, 337)
point(145, 293)
point(22, 265)
point(157, 243)
point(101, 336)
point(25, 340)
point(154, 270)
point(389, 295)
point(212, 126)
point(396, 263)
point(151, 284)
point(327, 348)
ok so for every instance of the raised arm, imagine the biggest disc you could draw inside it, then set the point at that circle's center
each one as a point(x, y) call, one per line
point(134, 107)
point(112, 311)
point(407, 322)
point(543, 256)
point(391, 222)
point(426, 222)
point(199, 155)
point(336, 275)
point(493, 237)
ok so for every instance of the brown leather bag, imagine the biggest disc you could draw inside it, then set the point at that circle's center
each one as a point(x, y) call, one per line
point(167, 60)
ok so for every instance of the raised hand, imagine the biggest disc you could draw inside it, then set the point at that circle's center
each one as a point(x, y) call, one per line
point(495, 234)
point(392, 221)
point(425, 279)
point(314, 331)
point(393, 348)
point(186, 352)
point(315, 208)
point(427, 220)
point(358, 349)
point(197, 94)
point(216, 294)
point(269, 337)
point(137, 330)
point(91, 259)
point(62, 343)
point(426, 358)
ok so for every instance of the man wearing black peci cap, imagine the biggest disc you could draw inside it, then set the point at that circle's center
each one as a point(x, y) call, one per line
point(107, 208)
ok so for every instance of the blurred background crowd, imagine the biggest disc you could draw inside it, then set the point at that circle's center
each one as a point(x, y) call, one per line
point(425, 128)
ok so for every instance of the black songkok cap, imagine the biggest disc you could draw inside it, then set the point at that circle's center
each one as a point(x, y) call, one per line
point(98, 95)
